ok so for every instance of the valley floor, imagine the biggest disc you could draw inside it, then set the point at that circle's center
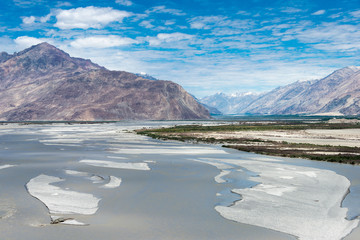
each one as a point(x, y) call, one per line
point(334, 142)
point(87, 181)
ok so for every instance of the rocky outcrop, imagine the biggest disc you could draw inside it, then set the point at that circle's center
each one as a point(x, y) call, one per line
point(45, 83)
point(4, 57)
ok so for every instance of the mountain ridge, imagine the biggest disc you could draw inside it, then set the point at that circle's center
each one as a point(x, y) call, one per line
point(336, 94)
point(45, 83)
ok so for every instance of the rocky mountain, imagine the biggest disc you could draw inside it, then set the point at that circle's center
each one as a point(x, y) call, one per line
point(4, 57)
point(336, 94)
point(146, 76)
point(212, 110)
point(230, 103)
point(45, 83)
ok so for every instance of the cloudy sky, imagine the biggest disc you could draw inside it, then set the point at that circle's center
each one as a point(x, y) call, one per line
point(207, 46)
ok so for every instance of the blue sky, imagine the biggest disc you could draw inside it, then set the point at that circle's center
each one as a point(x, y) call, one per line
point(206, 46)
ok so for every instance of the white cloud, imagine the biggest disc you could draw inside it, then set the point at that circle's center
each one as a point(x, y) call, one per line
point(102, 42)
point(291, 10)
point(89, 17)
point(170, 22)
point(335, 15)
point(320, 12)
point(7, 44)
point(356, 14)
point(32, 19)
point(331, 37)
point(147, 24)
point(63, 4)
point(28, 3)
point(222, 25)
point(206, 22)
point(163, 9)
point(29, 20)
point(168, 37)
point(124, 2)
point(244, 13)
point(25, 41)
point(46, 18)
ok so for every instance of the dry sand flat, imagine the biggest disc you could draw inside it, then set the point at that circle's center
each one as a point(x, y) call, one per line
point(334, 137)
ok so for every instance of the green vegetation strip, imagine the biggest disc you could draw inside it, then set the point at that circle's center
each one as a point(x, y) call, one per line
point(251, 127)
point(340, 154)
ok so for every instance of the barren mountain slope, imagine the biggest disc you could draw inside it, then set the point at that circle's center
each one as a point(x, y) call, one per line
point(45, 83)
point(338, 93)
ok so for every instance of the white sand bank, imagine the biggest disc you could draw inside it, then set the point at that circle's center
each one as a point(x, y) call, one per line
point(96, 179)
point(74, 222)
point(66, 221)
point(6, 166)
point(92, 177)
point(110, 164)
point(76, 173)
point(300, 201)
point(219, 178)
point(60, 201)
point(113, 183)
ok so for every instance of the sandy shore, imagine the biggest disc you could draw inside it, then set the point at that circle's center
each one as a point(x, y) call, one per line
point(333, 137)
point(327, 144)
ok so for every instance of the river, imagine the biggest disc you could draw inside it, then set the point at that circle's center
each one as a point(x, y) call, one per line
point(104, 181)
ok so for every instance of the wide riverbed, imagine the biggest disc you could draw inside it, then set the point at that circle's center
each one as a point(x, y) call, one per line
point(101, 181)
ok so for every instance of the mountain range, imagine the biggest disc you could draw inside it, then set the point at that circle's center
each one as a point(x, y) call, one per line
point(229, 103)
point(336, 94)
point(45, 83)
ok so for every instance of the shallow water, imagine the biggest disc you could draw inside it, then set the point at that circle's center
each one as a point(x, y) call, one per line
point(174, 200)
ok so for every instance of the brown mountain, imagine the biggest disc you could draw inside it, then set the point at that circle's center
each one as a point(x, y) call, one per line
point(336, 94)
point(45, 83)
